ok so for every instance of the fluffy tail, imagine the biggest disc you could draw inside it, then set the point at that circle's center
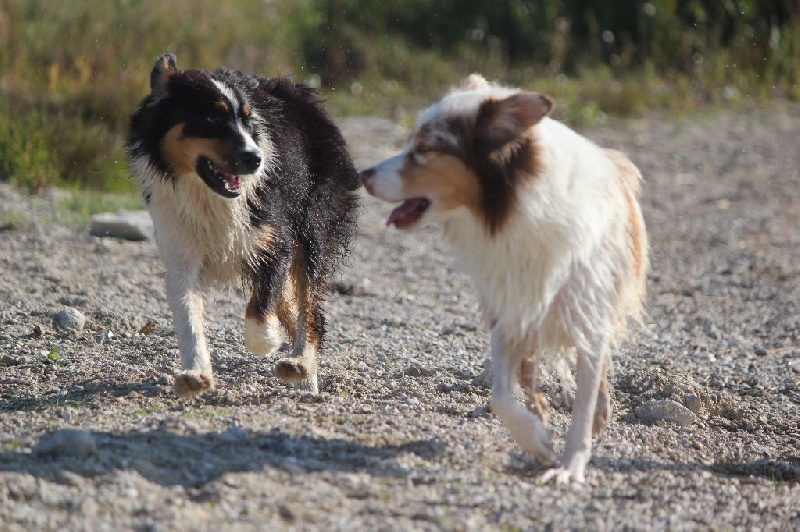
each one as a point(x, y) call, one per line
point(633, 290)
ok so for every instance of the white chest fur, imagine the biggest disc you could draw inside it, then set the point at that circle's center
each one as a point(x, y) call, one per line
point(199, 229)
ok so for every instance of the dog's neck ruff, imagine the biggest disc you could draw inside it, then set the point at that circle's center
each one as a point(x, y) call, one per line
point(204, 225)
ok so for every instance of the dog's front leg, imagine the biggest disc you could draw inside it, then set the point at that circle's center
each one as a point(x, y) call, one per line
point(186, 302)
point(578, 449)
point(526, 428)
point(300, 369)
point(283, 296)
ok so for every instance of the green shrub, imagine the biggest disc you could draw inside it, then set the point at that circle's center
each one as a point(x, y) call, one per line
point(72, 72)
point(25, 156)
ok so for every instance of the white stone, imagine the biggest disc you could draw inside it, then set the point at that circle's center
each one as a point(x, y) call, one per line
point(128, 225)
point(67, 442)
point(70, 320)
point(665, 410)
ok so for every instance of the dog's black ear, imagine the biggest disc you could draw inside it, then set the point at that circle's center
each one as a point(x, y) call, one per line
point(164, 68)
point(501, 121)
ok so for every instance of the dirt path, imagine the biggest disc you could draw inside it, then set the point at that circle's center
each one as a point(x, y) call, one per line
point(400, 438)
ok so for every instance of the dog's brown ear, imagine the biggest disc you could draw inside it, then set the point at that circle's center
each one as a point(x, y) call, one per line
point(164, 68)
point(501, 121)
point(473, 82)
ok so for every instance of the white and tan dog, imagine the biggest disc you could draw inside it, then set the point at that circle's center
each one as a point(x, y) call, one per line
point(549, 227)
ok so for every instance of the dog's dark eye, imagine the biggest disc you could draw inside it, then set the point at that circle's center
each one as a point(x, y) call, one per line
point(417, 155)
point(213, 120)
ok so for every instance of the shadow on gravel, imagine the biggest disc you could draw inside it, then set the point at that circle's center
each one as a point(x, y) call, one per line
point(165, 458)
point(90, 392)
point(785, 470)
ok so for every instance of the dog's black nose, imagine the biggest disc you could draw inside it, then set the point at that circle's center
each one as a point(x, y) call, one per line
point(248, 161)
point(250, 158)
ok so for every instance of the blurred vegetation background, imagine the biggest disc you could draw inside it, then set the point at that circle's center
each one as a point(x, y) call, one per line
point(72, 72)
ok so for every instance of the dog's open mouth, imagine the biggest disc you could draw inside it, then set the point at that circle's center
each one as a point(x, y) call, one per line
point(222, 182)
point(408, 213)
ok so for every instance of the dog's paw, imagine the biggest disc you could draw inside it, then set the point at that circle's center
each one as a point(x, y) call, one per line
point(296, 372)
point(263, 338)
point(291, 370)
point(191, 383)
point(570, 470)
point(541, 448)
point(536, 441)
point(562, 475)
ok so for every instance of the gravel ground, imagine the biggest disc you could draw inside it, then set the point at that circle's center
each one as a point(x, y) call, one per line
point(92, 438)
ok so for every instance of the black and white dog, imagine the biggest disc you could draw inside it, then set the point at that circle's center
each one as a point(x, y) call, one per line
point(246, 179)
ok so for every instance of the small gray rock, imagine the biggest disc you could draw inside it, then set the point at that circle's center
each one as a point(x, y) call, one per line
point(128, 225)
point(693, 403)
point(69, 320)
point(484, 380)
point(67, 442)
point(479, 411)
point(665, 410)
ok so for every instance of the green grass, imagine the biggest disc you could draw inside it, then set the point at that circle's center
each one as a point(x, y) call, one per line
point(9, 221)
point(148, 411)
point(53, 355)
point(78, 206)
point(72, 206)
point(71, 73)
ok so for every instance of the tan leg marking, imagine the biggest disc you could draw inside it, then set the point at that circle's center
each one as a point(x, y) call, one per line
point(300, 369)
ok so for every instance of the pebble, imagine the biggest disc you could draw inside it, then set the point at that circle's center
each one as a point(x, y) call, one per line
point(665, 410)
point(127, 225)
point(693, 403)
point(479, 411)
point(74, 443)
point(68, 478)
point(358, 288)
point(69, 319)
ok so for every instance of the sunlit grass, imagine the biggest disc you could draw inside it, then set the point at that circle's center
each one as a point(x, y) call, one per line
point(71, 73)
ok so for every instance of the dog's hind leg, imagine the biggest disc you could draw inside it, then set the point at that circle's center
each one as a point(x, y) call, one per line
point(272, 287)
point(300, 369)
point(578, 447)
point(263, 334)
point(527, 429)
point(186, 301)
point(602, 412)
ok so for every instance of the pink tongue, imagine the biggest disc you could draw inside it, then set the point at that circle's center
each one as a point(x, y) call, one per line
point(232, 182)
point(408, 212)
